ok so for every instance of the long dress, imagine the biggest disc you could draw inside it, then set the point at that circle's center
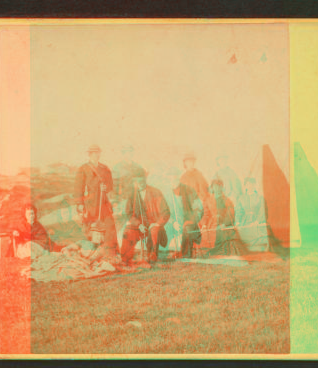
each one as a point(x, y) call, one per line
point(252, 215)
point(232, 183)
point(227, 238)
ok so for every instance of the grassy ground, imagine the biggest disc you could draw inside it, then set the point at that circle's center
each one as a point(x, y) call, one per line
point(304, 301)
point(182, 308)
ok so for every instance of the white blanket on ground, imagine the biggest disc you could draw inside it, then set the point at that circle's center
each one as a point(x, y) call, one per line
point(214, 261)
point(71, 264)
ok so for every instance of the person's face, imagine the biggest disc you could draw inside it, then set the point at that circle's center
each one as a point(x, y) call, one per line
point(94, 156)
point(30, 216)
point(65, 214)
point(250, 187)
point(140, 183)
point(189, 164)
point(217, 190)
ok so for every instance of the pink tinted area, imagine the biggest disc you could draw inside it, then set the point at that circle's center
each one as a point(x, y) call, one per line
point(15, 292)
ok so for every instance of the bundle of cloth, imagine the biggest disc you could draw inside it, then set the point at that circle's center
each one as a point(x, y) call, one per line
point(66, 255)
point(73, 262)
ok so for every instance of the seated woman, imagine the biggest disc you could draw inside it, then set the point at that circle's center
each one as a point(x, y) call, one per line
point(227, 239)
point(31, 238)
point(251, 220)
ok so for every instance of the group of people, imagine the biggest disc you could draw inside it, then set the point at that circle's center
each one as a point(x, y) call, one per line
point(191, 213)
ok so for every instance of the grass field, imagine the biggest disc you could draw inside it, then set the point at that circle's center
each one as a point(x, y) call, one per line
point(182, 308)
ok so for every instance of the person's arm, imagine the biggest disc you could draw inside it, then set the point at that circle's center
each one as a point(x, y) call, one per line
point(109, 183)
point(131, 210)
point(198, 210)
point(164, 211)
point(40, 236)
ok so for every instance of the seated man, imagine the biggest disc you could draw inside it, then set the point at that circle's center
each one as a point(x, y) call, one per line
point(32, 239)
point(148, 213)
point(187, 213)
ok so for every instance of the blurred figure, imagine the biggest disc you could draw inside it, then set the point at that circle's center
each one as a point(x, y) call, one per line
point(231, 182)
point(31, 238)
point(251, 220)
point(195, 179)
point(92, 184)
point(187, 211)
point(66, 231)
point(148, 213)
point(227, 242)
point(124, 173)
point(192, 177)
point(251, 207)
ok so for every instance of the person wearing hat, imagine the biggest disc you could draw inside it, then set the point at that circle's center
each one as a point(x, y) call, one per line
point(193, 178)
point(92, 184)
point(186, 214)
point(148, 213)
point(124, 172)
point(232, 183)
point(227, 239)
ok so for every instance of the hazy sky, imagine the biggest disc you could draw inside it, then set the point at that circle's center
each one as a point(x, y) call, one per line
point(162, 88)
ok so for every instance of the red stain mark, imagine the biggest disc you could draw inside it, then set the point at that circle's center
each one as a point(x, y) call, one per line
point(233, 59)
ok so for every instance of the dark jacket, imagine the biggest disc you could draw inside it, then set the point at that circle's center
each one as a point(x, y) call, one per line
point(90, 178)
point(153, 209)
point(192, 205)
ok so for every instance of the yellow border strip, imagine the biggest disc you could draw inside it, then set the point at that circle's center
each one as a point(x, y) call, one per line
point(163, 356)
point(75, 21)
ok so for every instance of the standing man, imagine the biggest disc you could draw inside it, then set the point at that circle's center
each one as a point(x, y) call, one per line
point(93, 183)
point(148, 213)
point(193, 178)
point(187, 213)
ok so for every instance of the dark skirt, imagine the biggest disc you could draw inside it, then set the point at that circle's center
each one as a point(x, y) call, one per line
point(228, 243)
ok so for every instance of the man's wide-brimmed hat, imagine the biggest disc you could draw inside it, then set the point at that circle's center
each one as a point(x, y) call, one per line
point(94, 148)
